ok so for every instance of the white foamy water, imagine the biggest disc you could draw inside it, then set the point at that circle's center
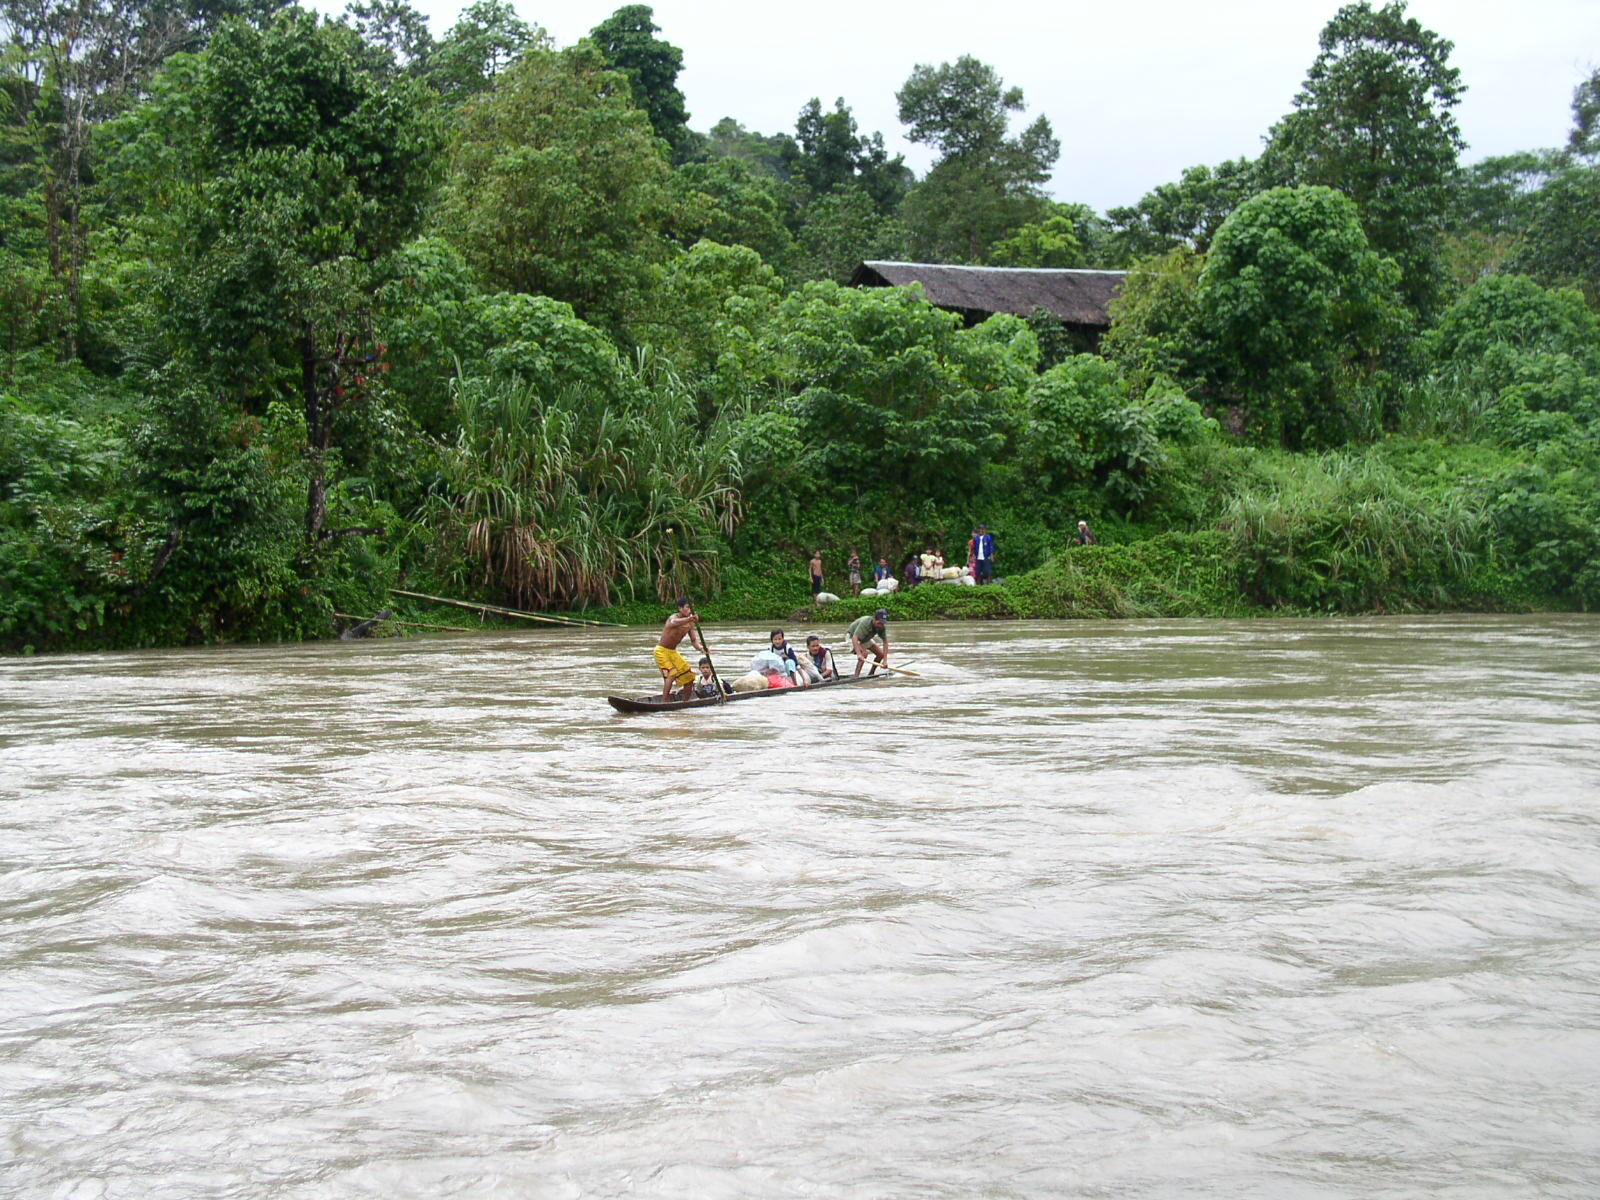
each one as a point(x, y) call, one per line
point(1142, 909)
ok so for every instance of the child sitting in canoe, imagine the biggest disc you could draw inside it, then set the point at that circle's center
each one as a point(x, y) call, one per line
point(706, 686)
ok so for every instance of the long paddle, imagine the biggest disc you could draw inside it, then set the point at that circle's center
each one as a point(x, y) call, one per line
point(878, 666)
point(884, 666)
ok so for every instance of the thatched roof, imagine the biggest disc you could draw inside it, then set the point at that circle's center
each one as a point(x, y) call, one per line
point(1078, 297)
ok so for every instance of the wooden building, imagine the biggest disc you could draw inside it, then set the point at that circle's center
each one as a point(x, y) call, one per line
point(1081, 299)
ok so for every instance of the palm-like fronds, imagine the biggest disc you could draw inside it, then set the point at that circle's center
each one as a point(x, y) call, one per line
point(562, 496)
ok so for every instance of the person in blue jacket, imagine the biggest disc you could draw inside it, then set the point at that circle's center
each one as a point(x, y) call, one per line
point(983, 555)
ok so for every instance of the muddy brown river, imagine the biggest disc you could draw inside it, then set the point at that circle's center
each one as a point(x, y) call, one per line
point(1276, 909)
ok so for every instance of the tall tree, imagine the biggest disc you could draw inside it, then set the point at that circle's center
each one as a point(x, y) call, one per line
point(767, 153)
point(1492, 205)
point(1374, 120)
point(1052, 242)
point(898, 404)
point(397, 33)
point(1301, 311)
point(1584, 140)
point(68, 66)
point(962, 109)
point(986, 183)
point(842, 229)
point(302, 170)
point(729, 202)
point(1186, 213)
point(486, 39)
point(829, 152)
point(558, 185)
point(1561, 246)
point(628, 40)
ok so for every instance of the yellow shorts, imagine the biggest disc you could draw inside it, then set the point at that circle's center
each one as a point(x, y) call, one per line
point(675, 664)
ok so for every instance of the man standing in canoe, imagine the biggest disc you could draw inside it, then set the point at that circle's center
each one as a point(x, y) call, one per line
point(675, 668)
point(870, 635)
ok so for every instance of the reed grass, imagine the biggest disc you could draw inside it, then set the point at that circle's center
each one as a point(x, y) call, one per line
point(1343, 533)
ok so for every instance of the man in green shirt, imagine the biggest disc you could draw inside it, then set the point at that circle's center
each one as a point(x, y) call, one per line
point(870, 635)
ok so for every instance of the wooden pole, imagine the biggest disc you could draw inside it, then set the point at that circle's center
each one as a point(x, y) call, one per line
point(407, 624)
point(878, 666)
point(507, 612)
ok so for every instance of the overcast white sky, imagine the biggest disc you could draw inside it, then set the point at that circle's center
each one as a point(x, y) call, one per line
point(1136, 89)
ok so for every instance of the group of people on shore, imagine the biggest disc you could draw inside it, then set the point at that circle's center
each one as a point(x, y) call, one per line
point(778, 665)
point(927, 567)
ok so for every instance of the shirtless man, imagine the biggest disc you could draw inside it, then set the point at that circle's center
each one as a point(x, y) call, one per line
point(675, 668)
point(816, 574)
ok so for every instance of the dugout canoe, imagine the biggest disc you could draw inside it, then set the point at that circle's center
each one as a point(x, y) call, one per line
point(650, 704)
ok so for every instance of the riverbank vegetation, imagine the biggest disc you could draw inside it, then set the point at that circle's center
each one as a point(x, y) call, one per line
point(294, 311)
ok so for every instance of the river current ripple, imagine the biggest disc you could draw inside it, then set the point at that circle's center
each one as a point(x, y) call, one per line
point(1139, 909)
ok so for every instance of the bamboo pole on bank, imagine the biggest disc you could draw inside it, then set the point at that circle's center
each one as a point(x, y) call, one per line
point(407, 624)
point(508, 612)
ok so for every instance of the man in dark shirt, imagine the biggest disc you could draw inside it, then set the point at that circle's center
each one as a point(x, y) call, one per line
point(870, 635)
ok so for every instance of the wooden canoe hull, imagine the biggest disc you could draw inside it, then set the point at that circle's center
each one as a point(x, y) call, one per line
point(650, 704)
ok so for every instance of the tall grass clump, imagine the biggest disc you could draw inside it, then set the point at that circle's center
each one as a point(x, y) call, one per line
point(1339, 533)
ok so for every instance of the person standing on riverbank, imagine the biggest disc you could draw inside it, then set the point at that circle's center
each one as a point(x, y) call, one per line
point(1085, 538)
point(675, 668)
point(816, 573)
point(854, 567)
point(982, 555)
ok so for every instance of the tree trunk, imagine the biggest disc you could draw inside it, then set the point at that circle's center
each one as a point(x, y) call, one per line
point(317, 438)
point(75, 240)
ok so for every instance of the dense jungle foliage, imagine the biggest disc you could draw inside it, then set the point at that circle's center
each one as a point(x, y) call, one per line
point(294, 311)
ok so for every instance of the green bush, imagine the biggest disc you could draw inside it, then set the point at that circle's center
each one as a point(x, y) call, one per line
point(1172, 575)
point(1303, 317)
point(1082, 426)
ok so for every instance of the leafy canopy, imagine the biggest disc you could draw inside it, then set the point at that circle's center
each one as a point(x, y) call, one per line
point(557, 185)
point(627, 39)
point(985, 183)
point(895, 398)
point(1375, 120)
point(1299, 309)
